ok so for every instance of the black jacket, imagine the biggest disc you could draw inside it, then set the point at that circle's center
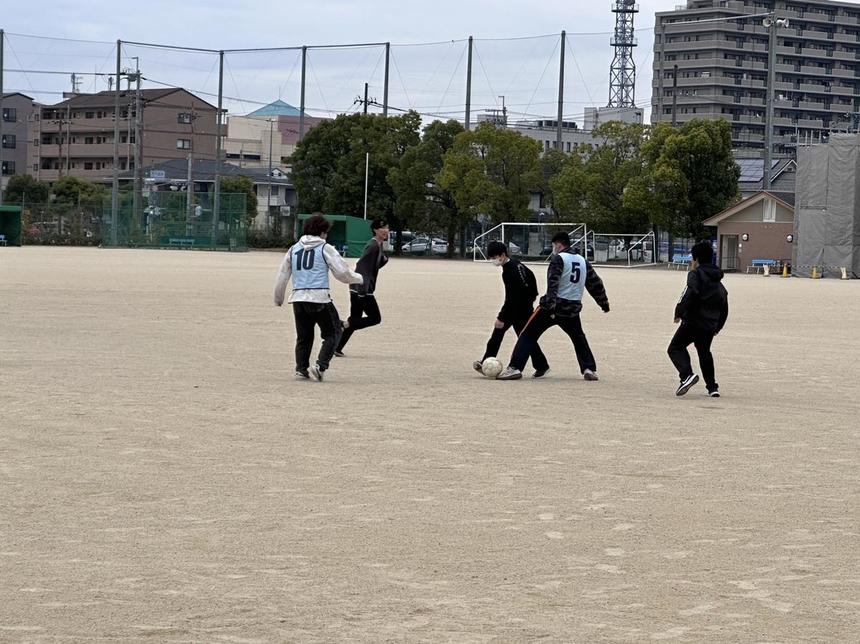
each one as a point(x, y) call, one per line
point(704, 304)
point(571, 308)
point(520, 291)
point(368, 267)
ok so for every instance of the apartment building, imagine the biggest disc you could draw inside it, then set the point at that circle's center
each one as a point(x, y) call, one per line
point(18, 111)
point(76, 137)
point(274, 127)
point(722, 68)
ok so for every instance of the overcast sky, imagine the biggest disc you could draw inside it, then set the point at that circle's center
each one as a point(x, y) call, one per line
point(430, 78)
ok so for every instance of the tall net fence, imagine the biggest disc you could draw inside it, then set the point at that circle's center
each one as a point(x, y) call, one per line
point(515, 78)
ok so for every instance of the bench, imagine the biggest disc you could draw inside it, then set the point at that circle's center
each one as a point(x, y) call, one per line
point(3, 239)
point(680, 261)
point(758, 265)
point(182, 242)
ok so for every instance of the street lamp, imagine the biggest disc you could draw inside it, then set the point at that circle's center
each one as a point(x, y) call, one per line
point(771, 23)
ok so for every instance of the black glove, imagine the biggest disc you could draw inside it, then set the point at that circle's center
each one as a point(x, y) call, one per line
point(605, 307)
point(547, 303)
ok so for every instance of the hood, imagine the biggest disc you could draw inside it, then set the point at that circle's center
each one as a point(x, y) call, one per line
point(311, 241)
point(711, 272)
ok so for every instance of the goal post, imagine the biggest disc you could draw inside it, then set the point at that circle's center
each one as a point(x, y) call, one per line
point(527, 241)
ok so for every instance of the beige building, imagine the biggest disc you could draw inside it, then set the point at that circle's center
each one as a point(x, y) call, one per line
point(75, 137)
point(274, 127)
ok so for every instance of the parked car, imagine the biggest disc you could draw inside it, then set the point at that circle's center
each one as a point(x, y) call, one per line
point(421, 245)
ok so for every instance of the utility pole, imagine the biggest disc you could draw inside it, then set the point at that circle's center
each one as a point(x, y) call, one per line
point(366, 177)
point(216, 206)
point(189, 198)
point(2, 42)
point(302, 101)
point(365, 98)
point(385, 87)
point(137, 197)
point(469, 85)
point(560, 92)
point(269, 176)
point(674, 95)
point(114, 206)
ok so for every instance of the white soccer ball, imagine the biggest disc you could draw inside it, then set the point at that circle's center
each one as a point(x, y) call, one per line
point(491, 367)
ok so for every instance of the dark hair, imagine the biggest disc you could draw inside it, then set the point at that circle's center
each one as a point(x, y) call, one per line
point(496, 248)
point(561, 238)
point(703, 253)
point(376, 224)
point(316, 225)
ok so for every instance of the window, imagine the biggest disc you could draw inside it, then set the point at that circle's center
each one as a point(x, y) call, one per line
point(276, 190)
point(88, 165)
point(89, 115)
point(35, 143)
point(9, 141)
point(184, 117)
point(35, 167)
point(10, 114)
point(769, 211)
point(89, 140)
point(183, 144)
point(8, 168)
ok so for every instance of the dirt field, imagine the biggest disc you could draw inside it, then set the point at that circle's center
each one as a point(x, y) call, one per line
point(164, 479)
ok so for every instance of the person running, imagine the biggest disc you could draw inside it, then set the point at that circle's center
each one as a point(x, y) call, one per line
point(568, 275)
point(308, 263)
point(363, 309)
point(520, 293)
point(702, 312)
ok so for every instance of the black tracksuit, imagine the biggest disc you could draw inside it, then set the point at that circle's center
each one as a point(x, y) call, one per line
point(558, 311)
point(703, 310)
point(363, 309)
point(520, 293)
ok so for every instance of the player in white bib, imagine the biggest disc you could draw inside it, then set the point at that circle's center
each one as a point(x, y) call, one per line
point(308, 263)
point(569, 275)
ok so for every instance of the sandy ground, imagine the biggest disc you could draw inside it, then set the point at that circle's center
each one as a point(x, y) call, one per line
point(164, 479)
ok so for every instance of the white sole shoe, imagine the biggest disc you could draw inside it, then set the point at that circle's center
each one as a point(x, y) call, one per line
point(685, 385)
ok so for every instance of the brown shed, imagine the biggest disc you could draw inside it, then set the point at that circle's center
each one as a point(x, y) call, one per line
point(755, 228)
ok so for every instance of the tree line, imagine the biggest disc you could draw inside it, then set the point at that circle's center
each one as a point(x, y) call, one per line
point(632, 179)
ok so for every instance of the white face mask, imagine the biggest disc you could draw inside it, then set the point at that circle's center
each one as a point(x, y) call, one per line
point(497, 261)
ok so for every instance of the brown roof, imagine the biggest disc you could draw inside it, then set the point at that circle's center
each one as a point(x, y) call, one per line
point(107, 98)
point(743, 204)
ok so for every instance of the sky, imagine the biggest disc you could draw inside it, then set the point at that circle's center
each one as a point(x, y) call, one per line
point(509, 60)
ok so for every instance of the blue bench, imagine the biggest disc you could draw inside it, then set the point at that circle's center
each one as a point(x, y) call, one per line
point(182, 242)
point(758, 265)
point(680, 261)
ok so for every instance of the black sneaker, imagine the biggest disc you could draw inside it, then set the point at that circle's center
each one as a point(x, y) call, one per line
point(478, 366)
point(316, 373)
point(714, 393)
point(339, 353)
point(685, 385)
point(540, 373)
point(588, 374)
point(302, 375)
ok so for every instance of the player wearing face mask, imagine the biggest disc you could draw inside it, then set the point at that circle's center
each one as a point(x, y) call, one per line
point(520, 293)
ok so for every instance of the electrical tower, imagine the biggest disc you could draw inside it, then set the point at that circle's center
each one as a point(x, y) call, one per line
point(622, 74)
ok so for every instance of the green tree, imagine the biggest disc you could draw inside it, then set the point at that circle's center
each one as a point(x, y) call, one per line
point(74, 191)
point(592, 183)
point(552, 163)
point(420, 201)
point(22, 188)
point(329, 163)
point(240, 184)
point(688, 174)
point(491, 171)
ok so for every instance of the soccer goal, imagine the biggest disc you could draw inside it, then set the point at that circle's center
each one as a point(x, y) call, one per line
point(528, 242)
point(621, 250)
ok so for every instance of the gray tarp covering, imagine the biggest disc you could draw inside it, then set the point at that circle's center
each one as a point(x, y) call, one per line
point(827, 208)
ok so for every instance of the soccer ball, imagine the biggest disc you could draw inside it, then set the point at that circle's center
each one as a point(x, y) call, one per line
point(491, 367)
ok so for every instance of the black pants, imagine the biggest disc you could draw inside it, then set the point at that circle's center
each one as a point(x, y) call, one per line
point(495, 342)
point(309, 315)
point(542, 320)
point(363, 312)
point(701, 338)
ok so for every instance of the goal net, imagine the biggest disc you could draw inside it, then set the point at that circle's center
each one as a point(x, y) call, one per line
point(528, 242)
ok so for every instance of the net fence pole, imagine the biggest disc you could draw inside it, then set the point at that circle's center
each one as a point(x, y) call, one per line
point(560, 91)
point(302, 98)
point(385, 87)
point(216, 206)
point(469, 85)
point(114, 206)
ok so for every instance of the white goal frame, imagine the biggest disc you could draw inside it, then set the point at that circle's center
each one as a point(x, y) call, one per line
point(577, 232)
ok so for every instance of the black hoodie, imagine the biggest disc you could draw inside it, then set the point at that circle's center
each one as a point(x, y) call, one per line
point(704, 303)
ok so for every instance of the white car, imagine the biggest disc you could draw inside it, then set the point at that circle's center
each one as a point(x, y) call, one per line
point(421, 245)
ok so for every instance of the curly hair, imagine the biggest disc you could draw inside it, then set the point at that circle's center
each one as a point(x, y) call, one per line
point(316, 225)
